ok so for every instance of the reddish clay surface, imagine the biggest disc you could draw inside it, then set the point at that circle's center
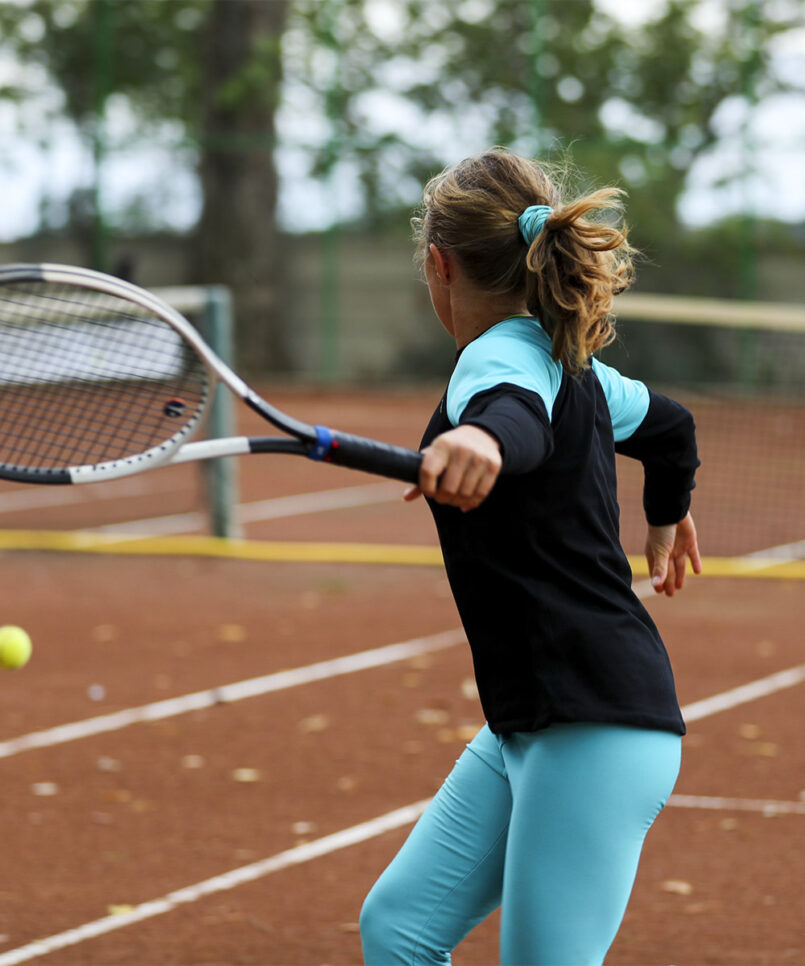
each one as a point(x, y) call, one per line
point(151, 808)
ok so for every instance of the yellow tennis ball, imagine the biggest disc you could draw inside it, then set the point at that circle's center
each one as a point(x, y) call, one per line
point(15, 647)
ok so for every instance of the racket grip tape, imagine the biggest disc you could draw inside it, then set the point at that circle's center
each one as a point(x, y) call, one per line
point(370, 455)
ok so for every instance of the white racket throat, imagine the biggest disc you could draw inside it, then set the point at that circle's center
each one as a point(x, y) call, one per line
point(100, 379)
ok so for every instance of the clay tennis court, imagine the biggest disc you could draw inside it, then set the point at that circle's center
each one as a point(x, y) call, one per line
point(118, 836)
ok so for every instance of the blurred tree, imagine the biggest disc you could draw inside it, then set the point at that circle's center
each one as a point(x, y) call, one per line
point(212, 65)
point(237, 237)
point(634, 104)
point(389, 90)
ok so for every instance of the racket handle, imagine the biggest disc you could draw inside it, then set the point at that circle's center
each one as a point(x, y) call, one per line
point(370, 455)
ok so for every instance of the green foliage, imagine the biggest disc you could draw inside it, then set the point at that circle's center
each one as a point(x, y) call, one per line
point(146, 50)
point(257, 80)
point(635, 104)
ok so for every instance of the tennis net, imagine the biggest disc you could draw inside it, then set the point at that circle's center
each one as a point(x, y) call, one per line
point(740, 368)
point(209, 308)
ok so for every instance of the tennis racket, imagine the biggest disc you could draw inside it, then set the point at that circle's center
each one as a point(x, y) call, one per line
point(100, 379)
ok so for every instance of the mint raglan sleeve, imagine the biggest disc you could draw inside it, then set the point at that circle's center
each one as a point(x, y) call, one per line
point(661, 434)
point(504, 387)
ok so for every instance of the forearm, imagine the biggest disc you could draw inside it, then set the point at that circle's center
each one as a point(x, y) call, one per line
point(665, 443)
point(518, 421)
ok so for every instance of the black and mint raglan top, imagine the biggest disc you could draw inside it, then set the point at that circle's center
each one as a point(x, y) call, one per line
point(538, 573)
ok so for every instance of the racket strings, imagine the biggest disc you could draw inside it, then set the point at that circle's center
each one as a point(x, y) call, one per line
point(78, 431)
point(87, 377)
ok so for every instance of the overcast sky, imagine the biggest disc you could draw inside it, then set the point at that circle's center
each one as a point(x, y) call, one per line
point(53, 162)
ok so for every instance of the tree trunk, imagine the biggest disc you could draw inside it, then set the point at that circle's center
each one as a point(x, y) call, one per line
point(237, 239)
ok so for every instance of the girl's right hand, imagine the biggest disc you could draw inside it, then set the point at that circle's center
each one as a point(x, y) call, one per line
point(667, 550)
point(459, 468)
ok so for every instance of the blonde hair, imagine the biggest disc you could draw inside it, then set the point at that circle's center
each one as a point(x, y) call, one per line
point(570, 273)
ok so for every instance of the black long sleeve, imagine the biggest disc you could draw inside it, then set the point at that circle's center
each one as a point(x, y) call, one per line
point(665, 443)
point(517, 418)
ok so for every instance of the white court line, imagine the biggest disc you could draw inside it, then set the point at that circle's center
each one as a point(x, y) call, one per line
point(779, 554)
point(282, 506)
point(716, 803)
point(349, 664)
point(350, 836)
point(746, 692)
point(278, 681)
point(229, 880)
point(305, 853)
point(343, 498)
point(38, 497)
point(357, 833)
point(154, 526)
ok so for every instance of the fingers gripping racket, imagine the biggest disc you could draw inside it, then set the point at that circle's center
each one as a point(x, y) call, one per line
point(100, 379)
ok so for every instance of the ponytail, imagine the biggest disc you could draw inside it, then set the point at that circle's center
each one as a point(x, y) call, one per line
point(575, 269)
point(504, 219)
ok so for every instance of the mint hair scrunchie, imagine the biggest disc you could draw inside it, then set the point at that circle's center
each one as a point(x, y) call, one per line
point(532, 221)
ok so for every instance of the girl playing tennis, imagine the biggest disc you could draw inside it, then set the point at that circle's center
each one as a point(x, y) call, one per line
point(546, 811)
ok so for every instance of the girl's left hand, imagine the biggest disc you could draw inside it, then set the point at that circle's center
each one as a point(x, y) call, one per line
point(667, 550)
point(459, 468)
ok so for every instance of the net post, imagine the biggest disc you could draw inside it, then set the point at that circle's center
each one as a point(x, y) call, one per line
point(221, 475)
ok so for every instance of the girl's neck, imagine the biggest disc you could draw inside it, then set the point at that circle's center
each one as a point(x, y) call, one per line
point(474, 313)
point(464, 309)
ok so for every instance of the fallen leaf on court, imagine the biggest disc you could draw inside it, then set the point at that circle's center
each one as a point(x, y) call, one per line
point(247, 775)
point(105, 763)
point(45, 789)
point(310, 600)
point(140, 805)
point(231, 633)
point(313, 724)
point(749, 731)
point(432, 716)
point(469, 689)
point(461, 733)
point(346, 784)
point(303, 828)
point(677, 886)
point(697, 908)
point(763, 749)
point(193, 761)
point(122, 795)
point(119, 910)
point(728, 824)
point(104, 633)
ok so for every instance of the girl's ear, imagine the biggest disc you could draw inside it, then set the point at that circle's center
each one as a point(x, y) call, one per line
point(441, 261)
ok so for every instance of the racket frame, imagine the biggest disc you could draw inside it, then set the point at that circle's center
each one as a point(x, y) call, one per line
point(316, 442)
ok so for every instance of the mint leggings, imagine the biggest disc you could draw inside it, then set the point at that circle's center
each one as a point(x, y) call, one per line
point(548, 825)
